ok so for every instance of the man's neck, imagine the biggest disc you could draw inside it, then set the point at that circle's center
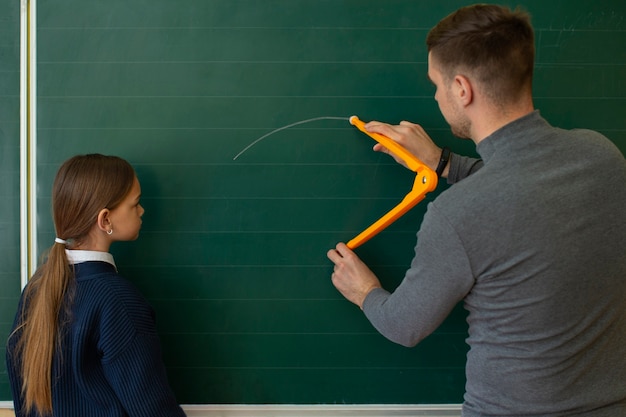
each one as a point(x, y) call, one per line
point(488, 120)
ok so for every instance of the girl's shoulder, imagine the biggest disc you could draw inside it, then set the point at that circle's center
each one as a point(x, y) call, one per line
point(111, 294)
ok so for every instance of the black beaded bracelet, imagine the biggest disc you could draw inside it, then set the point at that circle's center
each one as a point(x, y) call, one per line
point(443, 161)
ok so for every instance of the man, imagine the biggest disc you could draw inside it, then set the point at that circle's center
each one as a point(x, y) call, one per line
point(532, 237)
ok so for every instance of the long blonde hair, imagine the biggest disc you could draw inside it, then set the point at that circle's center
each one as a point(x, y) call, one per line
point(84, 185)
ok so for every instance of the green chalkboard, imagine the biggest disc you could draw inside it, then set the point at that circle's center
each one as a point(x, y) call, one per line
point(233, 252)
point(9, 175)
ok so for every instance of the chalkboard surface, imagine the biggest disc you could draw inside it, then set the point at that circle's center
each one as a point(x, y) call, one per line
point(232, 253)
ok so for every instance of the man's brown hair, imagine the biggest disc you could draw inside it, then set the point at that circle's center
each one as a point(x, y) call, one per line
point(492, 44)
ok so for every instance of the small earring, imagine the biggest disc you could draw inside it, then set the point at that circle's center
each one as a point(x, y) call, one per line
point(110, 232)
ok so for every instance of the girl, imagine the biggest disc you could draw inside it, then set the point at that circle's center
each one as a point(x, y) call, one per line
point(84, 341)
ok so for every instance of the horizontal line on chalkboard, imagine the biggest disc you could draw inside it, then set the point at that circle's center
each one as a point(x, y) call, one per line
point(547, 64)
point(272, 198)
point(187, 128)
point(265, 198)
point(256, 62)
point(372, 333)
point(273, 28)
point(308, 164)
point(577, 98)
point(538, 64)
point(191, 299)
point(276, 28)
point(247, 266)
point(318, 368)
point(275, 333)
point(264, 232)
point(239, 97)
point(424, 97)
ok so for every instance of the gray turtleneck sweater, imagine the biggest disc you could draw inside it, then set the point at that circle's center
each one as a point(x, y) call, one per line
point(534, 243)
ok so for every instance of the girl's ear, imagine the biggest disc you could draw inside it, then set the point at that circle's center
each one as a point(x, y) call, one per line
point(104, 220)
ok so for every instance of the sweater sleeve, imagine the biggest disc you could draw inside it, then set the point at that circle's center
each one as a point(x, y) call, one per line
point(132, 359)
point(138, 377)
point(439, 277)
point(462, 167)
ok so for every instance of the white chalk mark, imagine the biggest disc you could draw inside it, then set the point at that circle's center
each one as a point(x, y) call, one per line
point(287, 127)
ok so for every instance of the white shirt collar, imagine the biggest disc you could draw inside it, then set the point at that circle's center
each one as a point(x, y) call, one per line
point(79, 256)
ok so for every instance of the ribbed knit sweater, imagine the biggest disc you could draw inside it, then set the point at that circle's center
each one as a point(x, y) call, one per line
point(534, 243)
point(110, 364)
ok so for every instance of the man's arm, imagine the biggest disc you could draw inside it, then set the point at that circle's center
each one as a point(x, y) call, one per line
point(461, 167)
point(415, 139)
point(439, 277)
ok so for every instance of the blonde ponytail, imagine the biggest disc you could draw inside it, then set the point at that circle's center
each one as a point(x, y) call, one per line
point(44, 299)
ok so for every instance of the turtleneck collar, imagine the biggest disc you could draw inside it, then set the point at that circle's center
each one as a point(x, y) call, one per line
point(511, 135)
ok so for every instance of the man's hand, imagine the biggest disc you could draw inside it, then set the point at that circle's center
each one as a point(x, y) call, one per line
point(413, 138)
point(351, 276)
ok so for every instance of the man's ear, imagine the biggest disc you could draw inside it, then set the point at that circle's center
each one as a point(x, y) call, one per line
point(104, 220)
point(463, 90)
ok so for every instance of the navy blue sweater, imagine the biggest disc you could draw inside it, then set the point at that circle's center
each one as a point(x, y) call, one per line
point(110, 363)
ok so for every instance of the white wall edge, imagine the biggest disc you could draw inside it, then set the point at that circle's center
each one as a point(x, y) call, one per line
point(32, 146)
point(24, 269)
point(374, 410)
point(28, 140)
